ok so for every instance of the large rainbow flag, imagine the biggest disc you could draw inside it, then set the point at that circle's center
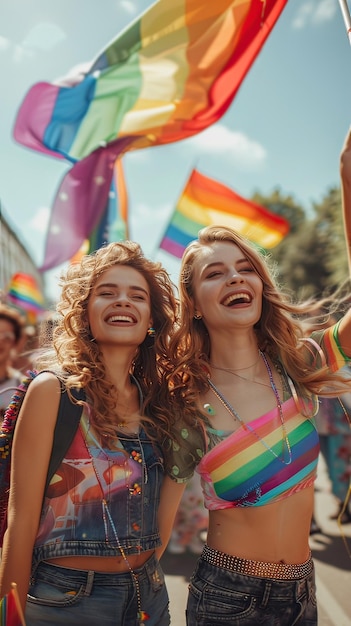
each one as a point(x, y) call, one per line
point(170, 74)
point(206, 202)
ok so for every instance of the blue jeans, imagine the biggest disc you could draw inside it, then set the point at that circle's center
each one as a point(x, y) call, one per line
point(60, 595)
point(219, 597)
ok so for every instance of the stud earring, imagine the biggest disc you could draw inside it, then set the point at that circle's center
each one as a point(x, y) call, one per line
point(151, 332)
point(197, 315)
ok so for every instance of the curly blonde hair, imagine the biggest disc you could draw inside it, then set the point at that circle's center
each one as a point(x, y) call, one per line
point(77, 357)
point(279, 331)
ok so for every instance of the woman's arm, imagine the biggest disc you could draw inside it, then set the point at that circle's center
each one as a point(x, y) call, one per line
point(31, 451)
point(171, 494)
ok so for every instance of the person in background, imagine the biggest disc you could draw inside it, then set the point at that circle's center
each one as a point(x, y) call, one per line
point(244, 383)
point(11, 332)
point(27, 349)
point(333, 424)
point(85, 550)
point(190, 522)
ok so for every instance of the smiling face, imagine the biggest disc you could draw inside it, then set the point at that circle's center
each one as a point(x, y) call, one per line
point(119, 307)
point(227, 289)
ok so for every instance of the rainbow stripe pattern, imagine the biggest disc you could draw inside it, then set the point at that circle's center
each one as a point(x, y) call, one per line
point(250, 467)
point(241, 471)
point(206, 202)
point(167, 76)
point(24, 293)
point(11, 613)
point(170, 74)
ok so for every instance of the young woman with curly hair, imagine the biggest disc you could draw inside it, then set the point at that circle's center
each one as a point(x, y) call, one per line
point(85, 551)
point(245, 383)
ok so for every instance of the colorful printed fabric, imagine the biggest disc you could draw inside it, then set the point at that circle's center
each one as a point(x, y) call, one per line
point(169, 75)
point(240, 471)
point(205, 201)
point(75, 519)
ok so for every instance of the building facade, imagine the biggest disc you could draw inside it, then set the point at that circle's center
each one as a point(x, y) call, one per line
point(14, 257)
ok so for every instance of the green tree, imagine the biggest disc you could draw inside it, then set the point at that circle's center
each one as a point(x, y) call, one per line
point(311, 260)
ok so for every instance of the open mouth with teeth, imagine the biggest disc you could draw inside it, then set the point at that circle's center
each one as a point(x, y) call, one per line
point(124, 319)
point(237, 298)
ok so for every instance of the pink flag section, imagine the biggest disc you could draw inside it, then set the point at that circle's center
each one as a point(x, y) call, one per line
point(80, 203)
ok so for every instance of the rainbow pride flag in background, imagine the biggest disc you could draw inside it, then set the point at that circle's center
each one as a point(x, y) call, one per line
point(170, 74)
point(23, 292)
point(206, 202)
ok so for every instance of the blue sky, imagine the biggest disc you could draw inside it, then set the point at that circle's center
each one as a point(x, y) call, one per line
point(285, 128)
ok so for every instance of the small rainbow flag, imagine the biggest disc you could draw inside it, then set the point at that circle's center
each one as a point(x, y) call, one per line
point(206, 202)
point(169, 75)
point(24, 293)
point(11, 613)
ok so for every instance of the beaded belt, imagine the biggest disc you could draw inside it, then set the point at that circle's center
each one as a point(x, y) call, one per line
point(284, 571)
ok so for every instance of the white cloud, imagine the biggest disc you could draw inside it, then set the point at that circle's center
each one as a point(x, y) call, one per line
point(20, 54)
point(75, 75)
point(314, 12)
point(146, 214)
point(40, 220)
point(219, 140)
point(325, 11)
point(129, 7)
point(43, 36)
point(147, 224)
point(4, 43)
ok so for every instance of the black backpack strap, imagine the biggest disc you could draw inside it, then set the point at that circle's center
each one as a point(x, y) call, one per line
point(67, 422)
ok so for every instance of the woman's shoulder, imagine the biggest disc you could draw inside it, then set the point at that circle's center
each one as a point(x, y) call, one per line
point(43, 391)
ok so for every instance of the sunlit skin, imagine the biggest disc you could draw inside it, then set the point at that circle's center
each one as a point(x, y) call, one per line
point(119, 313)
point(222, 273)
point(119, 308)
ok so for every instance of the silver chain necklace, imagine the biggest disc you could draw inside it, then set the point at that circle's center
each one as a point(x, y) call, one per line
point(248, 427)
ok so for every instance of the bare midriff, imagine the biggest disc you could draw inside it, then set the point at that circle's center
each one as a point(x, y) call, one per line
point(273, 533)
point(103, 564)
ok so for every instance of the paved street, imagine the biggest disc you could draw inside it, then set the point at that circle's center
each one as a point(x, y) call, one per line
point(333, 566)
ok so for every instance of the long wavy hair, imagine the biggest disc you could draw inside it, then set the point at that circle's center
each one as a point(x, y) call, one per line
point(279, 331)
point(77, 357)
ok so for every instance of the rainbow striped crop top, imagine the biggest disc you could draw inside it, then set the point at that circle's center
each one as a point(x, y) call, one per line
point(241, 471)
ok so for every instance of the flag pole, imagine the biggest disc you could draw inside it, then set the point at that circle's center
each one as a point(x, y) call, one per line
point(347, 18)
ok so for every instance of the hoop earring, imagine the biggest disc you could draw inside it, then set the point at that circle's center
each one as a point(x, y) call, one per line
point(151, 332)
point(197, 316)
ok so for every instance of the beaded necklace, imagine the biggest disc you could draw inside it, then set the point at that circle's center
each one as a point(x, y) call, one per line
point(236, 415)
